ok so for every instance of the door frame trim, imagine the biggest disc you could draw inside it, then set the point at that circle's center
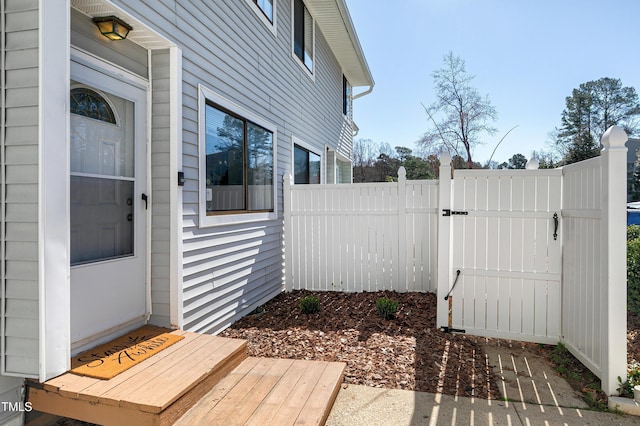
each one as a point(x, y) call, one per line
point(108, 68)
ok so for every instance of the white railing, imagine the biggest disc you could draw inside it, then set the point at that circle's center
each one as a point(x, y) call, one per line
point(361, 237)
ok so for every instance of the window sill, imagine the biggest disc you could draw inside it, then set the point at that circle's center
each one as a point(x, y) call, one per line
point(222, 219)
point(309, 73)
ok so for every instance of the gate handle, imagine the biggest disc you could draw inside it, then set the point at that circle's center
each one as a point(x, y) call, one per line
point(145, 198)
point(454, 285)
point(555, 226)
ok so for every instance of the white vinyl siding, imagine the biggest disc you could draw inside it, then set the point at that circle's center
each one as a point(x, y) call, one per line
point(20, 189)
point(162, 177)
point(11, 390)
point(230, 269)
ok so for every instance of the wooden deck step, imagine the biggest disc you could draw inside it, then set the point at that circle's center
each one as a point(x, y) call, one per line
point(263, 391)
point(155, 392)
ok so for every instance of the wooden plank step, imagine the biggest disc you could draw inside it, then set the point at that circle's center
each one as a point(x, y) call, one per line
point(270, 391)
point(154, 392)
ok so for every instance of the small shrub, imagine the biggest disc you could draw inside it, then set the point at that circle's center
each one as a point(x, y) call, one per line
point(633, 276)
point(387, 308)
point(633, 232)
point(309, 305)
point(633, 378)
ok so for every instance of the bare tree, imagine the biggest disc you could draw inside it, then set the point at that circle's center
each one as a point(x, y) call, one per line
point(459, 115)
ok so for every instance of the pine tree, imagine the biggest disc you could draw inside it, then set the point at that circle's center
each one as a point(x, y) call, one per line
point(590, 110)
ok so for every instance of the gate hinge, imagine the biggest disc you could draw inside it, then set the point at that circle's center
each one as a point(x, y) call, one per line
point(452, 330)
point(449, 212)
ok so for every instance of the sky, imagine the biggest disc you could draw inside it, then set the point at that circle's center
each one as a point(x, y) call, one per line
point(526, 55)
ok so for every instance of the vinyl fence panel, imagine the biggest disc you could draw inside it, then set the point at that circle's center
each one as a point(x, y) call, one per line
point(361, 237)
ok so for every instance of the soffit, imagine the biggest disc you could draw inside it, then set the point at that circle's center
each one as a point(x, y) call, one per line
point(141, 33)
point(332, 16)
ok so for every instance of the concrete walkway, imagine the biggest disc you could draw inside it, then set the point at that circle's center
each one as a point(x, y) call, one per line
point(362, 405)
point(532, 393)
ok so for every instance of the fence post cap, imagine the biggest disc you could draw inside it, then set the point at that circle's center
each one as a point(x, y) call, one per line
point(532, 164)
point(402, 172)
point(445, 158)
point(614, 137)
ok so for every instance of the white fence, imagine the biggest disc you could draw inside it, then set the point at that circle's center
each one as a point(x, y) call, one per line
point(594, 276)
point(516, 281)
point(363, 237)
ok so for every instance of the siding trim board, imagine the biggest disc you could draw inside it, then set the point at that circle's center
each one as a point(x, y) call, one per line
point(53, 180)
point(175, 192)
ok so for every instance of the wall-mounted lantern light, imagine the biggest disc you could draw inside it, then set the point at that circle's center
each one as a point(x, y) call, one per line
point(112, 27)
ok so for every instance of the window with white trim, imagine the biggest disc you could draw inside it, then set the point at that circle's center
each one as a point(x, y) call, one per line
point(303, 34)
point(266, 6)
point(237, 152)
point(265, 10)
point(346, 97)
point(306, 165)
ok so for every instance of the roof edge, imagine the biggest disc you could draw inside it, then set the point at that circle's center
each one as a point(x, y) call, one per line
point(344, 30)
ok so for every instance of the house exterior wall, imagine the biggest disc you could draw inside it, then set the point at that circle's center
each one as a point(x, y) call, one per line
point(223, 271)
point(230, 269)
point(19, 199)
point(20, 164)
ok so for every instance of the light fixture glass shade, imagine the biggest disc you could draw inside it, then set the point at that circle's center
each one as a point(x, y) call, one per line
point(112, 27)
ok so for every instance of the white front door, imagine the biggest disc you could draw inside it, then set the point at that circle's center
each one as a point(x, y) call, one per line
point(108, 183)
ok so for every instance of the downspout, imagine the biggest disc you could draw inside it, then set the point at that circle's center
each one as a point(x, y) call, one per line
point(359, 95)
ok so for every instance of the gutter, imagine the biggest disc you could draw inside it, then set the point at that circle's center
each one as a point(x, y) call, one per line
point(366, 92)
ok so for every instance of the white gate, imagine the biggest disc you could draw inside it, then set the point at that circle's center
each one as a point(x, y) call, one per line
point(506, 254)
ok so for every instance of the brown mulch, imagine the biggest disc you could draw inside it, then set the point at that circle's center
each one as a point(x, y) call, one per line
point(407, 352)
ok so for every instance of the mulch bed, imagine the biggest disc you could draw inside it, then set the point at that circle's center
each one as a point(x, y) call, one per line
point(633, 338)
point(407, 352)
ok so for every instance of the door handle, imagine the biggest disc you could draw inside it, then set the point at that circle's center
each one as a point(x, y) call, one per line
point(555, 226)
point(145, 198)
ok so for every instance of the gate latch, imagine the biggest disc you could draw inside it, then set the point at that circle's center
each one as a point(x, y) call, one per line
point(449, 212)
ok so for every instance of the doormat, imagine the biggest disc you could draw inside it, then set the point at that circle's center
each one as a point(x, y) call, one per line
point(108, 360)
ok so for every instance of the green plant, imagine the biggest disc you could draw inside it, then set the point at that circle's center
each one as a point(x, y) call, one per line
point(309, 305)
point(633, 275)
point(633, 232)
point(387, 308)
point(633, 378)
point(579, 377)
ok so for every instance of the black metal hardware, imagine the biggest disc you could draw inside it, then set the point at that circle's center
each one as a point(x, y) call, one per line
point(449, 212)
point(145, 198)
point(555, 226)
point(452, 330)
point(180, 178)
point(129, 201)
point(129, 217)
point(454, 285)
